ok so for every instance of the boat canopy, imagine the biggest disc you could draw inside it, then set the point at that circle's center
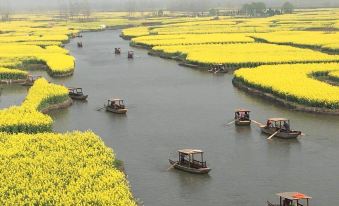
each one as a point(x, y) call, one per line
point(115, 100)
point(74, 88)
point(242, 110)
point(278, 119)
point(190, 151)
point(293, 196)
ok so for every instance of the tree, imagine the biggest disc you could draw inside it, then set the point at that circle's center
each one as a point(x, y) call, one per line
point(259, 8)
point(160, 13)
point(131, 7)
point(5, 10)
point(246, 9)
point(213, 12)
point(287, 8)
point(254, 9)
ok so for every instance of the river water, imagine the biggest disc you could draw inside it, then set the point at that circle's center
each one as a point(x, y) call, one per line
point(172, 107)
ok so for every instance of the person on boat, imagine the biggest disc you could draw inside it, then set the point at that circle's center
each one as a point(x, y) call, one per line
point(223, 69)
point(237, 115)
point(247, 116)
point(287, 202)
point(242, 116)
point(182, 159)
point(268, 124)
point(113, 105)
point(286, 126)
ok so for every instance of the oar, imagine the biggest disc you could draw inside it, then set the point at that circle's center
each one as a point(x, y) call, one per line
point(270, 137)
point(101, 108)
point(228, 124)
point(258, 123)
point(172, 166)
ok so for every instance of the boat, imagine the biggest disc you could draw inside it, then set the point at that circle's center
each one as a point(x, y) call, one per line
point(130, 55)
point(116, 106)
point(77, 35)
point(291, 198)
point(242, 117)
point(279, 127)
point(117, 51)
point(217, 69)
point(79, 44)
point(187, 161)
point(77, 94)
point(30, 80)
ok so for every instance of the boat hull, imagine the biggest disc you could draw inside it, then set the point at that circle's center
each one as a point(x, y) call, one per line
point(116, 111)
point(27, 84)
point(282, 134)
point(243, 122)
point(78, 97)
point(188, 169)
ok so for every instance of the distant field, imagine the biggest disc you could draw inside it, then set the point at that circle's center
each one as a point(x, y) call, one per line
point(295, 46)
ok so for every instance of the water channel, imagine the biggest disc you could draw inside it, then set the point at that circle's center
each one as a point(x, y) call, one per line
point(172, 107)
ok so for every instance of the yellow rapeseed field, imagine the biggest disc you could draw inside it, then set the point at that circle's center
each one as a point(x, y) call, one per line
point(294, 82)
point(55, 57)
point(136, 31)
point(251, 54)
point(27, 118)
point(60, 169)
point(192, 39)
point(13, 74)
point(315, 38)
point(47, 168)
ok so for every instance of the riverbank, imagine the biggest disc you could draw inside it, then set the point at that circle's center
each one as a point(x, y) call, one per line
point(181, 58)
point(302, 46)
point(12, 81)
point(63, 105)
point(282, 102)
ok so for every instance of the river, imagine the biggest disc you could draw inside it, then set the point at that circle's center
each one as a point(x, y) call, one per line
point(172, 107)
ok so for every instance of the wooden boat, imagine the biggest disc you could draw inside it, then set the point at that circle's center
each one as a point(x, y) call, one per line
point(79, 44)
point(130, 55)
point(242, 117)
point(116, 106)
point(30, 80)
point(77, 35)
point(77, 94)
point(281, 127)
point(117, 51)
point(217, 69)
point(188, 163)
point(291, 198)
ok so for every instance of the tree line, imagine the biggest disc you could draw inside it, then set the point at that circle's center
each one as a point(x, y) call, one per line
point(260, 9)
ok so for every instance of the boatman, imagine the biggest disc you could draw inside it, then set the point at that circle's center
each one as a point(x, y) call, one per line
point(287, 126)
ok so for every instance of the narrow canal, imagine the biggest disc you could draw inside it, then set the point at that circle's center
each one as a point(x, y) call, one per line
point(173, 107)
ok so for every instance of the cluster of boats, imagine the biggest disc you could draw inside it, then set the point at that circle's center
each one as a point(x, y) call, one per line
point(217, 69)
point(275, 127)
point(114, 105)
point(192, 160)
point(130, 54)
